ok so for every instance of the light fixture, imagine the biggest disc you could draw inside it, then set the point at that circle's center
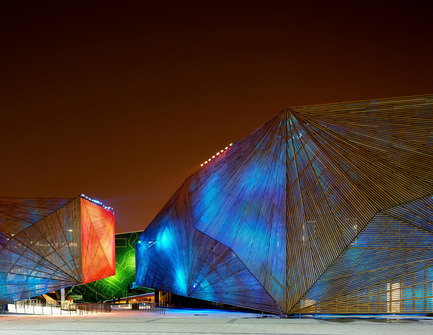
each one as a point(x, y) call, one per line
point(97, 202)
point(217, 154)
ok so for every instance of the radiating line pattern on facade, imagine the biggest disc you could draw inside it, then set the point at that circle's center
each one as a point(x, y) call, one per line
point(51, 243)
point(293, 202)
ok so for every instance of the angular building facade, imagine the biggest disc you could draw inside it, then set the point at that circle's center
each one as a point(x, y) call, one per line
point(51, 243)
point(325, 208)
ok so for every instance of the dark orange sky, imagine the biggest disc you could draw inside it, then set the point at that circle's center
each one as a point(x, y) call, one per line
point(123, 100)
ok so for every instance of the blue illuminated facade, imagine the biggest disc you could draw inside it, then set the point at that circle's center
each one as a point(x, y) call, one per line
point(323, 209)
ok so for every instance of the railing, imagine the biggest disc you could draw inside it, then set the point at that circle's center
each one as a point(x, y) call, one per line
point(153, 307)
point(3, 309)
point(33, 306)
point(66, 307)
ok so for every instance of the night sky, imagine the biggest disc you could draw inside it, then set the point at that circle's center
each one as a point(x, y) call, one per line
point(123, 100)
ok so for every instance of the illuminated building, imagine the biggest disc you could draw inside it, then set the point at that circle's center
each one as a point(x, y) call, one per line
point(52, 243)
point(119, 285)
point(325, 208)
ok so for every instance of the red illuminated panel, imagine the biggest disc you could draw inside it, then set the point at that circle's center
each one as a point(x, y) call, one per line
point(98, 249)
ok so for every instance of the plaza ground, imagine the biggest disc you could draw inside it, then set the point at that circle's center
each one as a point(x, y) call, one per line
point(210, 322)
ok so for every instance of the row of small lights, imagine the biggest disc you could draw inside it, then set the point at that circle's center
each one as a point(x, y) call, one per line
point(217, 154)
point(97, 202)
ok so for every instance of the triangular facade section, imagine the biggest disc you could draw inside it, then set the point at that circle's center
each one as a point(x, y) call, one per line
point(418, 213)
point(382, 146)
point(173, 256)
point(17, 214)
point(376, 261)
point(397, 130)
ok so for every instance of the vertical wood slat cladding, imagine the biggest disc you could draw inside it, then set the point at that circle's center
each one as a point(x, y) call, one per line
point(292, 200)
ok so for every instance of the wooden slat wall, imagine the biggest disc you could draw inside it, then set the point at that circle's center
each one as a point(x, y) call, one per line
point(40, 248)
point(385, 257)
point(291, 199)
point(173, 256)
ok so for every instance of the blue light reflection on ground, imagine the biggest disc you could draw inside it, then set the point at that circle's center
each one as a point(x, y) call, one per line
point(361, 316)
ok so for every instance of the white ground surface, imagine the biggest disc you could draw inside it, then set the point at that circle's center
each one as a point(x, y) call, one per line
point(192, 322)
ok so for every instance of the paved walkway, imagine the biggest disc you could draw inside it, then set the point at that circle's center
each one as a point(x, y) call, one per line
point(203, 322)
